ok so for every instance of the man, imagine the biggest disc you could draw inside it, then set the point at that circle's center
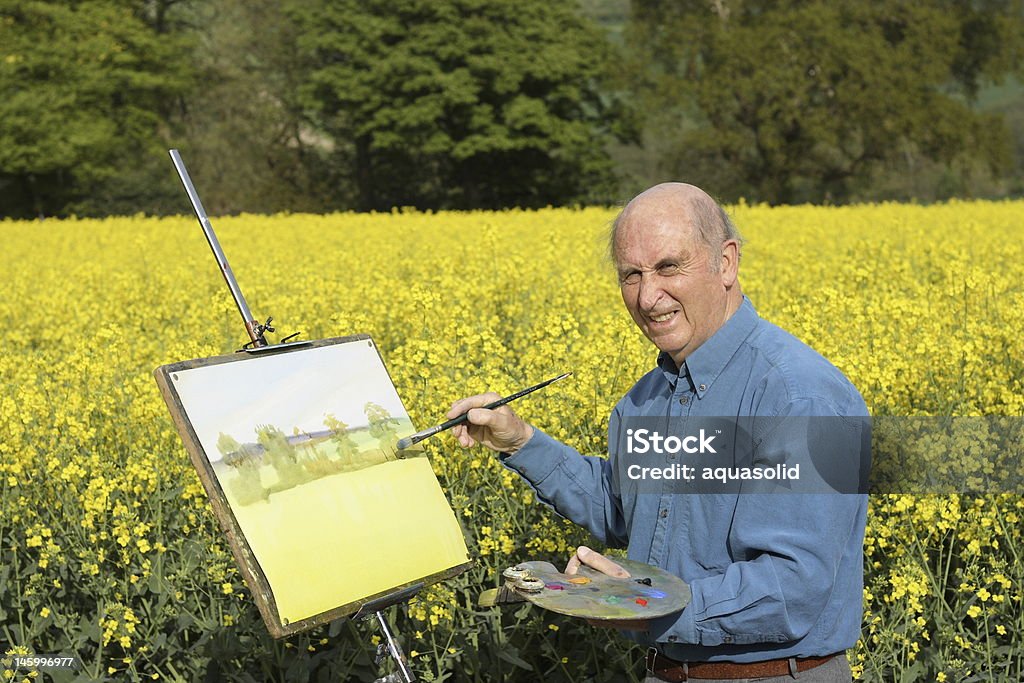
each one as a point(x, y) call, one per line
point(776, 577)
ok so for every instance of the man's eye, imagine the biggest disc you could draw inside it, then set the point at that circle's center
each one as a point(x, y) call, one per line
point(668, 269)
point(630, 278)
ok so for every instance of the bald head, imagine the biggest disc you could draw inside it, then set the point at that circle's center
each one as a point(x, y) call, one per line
point(689, 203)
point(677, 258)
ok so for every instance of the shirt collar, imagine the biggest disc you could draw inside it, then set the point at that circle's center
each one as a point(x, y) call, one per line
point(703, 366)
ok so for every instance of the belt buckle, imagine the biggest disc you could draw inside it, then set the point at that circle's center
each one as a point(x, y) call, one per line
point(652, 657)
point(652, 661)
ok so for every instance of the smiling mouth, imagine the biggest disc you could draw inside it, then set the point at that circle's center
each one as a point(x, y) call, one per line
point(662, 317)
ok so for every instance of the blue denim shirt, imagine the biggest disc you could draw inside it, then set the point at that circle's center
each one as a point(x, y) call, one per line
point(773, 574)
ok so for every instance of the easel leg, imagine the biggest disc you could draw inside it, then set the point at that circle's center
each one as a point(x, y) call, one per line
point(391, 647)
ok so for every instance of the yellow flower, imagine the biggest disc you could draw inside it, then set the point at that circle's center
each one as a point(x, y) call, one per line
point(913, 303)
point(45, 612)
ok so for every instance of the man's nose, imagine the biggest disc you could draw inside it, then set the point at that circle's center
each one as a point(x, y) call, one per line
point(648, 292)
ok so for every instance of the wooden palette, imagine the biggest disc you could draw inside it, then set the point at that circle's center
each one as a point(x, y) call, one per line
point(648, 593)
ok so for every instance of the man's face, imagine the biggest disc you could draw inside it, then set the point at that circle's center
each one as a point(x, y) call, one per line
point(667, 281)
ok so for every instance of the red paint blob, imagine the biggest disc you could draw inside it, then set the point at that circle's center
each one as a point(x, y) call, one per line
point(641, 602)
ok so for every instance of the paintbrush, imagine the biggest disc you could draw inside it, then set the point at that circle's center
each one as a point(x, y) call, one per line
point(462, 419)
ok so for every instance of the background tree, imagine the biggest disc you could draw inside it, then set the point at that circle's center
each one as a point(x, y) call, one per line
point(460, 103)
point(242, 131)
point(317, 105)
point(82, 88)
point(382, 427)
point(228, 446)
point(281, 455)
point(811, 100)
point(342, 440)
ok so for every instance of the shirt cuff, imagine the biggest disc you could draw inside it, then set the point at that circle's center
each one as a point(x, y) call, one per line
point(680, 628)
point(535, 460)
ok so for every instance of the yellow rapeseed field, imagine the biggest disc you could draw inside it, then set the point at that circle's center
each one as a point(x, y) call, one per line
point(109, 551)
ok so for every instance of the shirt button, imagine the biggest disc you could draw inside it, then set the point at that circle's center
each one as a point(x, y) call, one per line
point(703, 387)
point(672, 639)
point(684, 400)
point(664, 513)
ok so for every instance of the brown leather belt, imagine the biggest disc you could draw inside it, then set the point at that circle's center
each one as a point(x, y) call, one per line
point(670, 670)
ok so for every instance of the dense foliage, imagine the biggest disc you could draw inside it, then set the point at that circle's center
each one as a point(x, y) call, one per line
point(316, 106)
point(811, 100)
point(84, 90)
point(460, 103)
point(108, 547)
point(302, 105)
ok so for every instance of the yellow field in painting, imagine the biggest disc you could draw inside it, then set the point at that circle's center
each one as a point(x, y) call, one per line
point(349, 536)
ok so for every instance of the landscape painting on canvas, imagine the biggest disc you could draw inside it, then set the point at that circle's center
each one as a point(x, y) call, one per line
point(302, 449)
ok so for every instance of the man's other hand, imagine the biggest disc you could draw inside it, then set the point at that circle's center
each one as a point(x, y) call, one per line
point(499, 429)
point(595, 560)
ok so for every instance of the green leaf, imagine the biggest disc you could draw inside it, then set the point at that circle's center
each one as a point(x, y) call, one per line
point(511, 655)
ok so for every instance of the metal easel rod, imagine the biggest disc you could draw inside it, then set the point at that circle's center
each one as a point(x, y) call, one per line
point(403, 674)
point(253, 328)
point(390, 646)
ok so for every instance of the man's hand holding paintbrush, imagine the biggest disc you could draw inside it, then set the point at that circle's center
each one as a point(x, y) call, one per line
point(489, 420)
point(500, 425)
point(500, 429)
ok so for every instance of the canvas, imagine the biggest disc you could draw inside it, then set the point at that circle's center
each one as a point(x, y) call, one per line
point(297, 451)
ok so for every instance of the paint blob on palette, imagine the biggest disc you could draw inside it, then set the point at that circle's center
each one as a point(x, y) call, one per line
point(648, 593)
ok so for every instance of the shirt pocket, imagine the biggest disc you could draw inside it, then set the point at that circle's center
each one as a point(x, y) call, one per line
point(710, 520)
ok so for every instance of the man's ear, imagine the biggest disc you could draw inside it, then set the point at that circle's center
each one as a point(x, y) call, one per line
point(730, 264)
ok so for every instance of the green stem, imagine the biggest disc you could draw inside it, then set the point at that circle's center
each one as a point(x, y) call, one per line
point(922, 552)
point(988, 647)
point(870, 652)
point(98, 663)
point(1007, 536)
point(952, 542)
